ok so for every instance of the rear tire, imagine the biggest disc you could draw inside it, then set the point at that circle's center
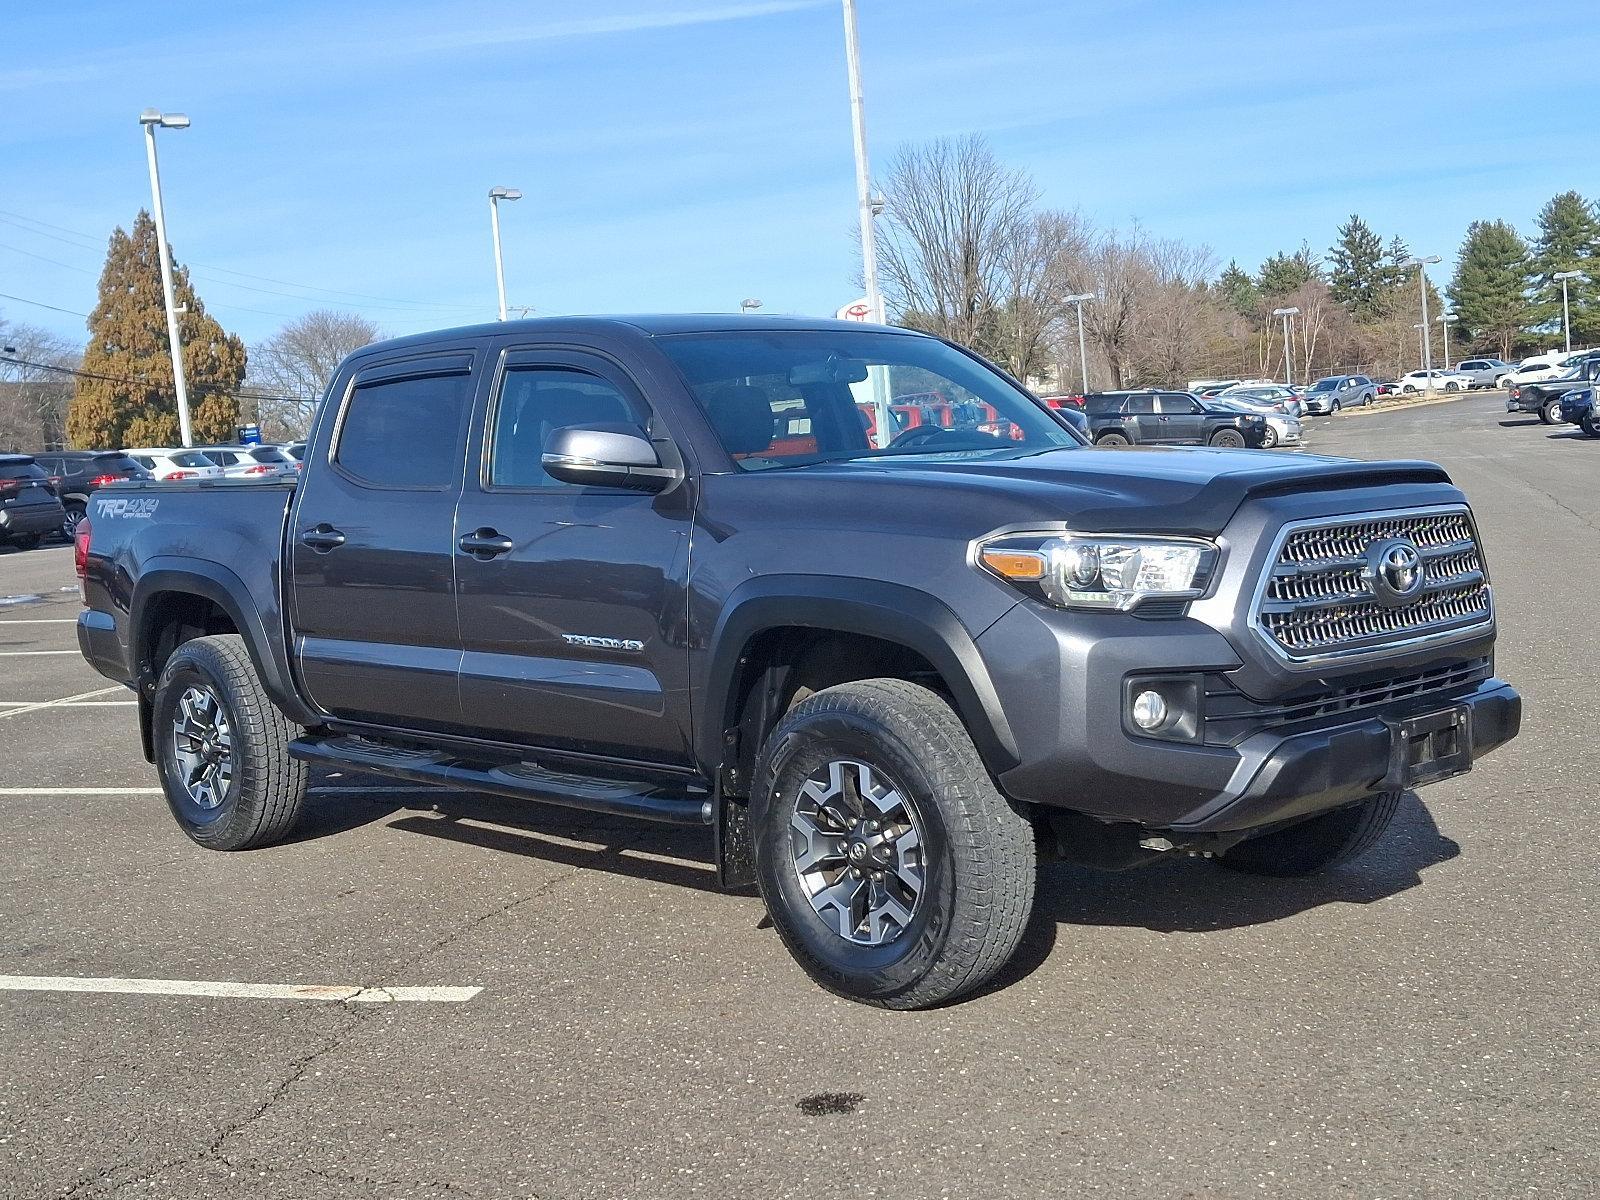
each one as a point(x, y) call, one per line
point(1311, 846)
point(229, 780)
point(942, 911)
point(27, 541)
point(1452, 387)
point(1112, 439)
point(1550, 412)
point(1228, 439)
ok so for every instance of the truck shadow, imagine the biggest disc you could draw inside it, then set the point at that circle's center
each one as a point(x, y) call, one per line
point(1190, 895)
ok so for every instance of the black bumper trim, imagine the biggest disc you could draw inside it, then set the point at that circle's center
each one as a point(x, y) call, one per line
point(1285, 778)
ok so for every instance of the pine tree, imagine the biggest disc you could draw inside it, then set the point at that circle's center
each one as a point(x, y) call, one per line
point(1489, 287)
point(1568, 240)
point(125, 396)
point(1395, 271)
point(1357, 275)
point(1282, 273)
point(1238, 291)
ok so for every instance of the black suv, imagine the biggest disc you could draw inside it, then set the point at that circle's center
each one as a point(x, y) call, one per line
point(76, 474)
point(28, 508)
point(1169, 419)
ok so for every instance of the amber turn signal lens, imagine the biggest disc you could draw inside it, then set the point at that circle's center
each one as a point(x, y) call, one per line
point(1014, 564)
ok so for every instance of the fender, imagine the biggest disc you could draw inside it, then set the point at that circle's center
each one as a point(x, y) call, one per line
point(889, 611)
point(201, 577)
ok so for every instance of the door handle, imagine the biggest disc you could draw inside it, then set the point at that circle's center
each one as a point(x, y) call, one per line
point(322, 538)
point(484, 544)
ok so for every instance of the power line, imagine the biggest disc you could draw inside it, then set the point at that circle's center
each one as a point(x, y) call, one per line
point(16, 219)
point(41, 304)
point(242, 393)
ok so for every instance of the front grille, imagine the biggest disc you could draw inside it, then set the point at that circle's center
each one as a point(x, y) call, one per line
point(1231, 716)
point(1319, 598)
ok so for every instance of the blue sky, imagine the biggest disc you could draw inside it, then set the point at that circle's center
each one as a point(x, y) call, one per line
point(683, 154)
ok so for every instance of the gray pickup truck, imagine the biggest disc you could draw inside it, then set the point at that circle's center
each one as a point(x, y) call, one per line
point(665, 567)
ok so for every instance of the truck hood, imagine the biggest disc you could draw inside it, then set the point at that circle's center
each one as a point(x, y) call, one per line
point(1168, 489)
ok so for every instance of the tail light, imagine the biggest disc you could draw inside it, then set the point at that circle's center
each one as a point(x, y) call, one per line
point(80, 555)
point(178, 475)
point(10, 487)
point(102, 480)
point(259, 469)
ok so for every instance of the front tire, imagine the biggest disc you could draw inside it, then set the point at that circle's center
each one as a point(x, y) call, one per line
point(1228, 439)
point(894, 871)
point(1270, 439)
point(222, 748)
point(1312, 846)
point(1589, 426)
point(1334, 409)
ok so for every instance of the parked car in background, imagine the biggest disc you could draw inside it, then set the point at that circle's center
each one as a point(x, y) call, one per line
point(1334, 392)
point(1169, 419)
point(1065, 400)
point(1283, 429)
point(28, 507)
point(249, 462)
point(75, 475)
point(166, 463)
point(1577, 408)
point(1545, 396)
point(1386, 387)
point(1537, 368)
point(1485, 372)
point(1276, 396)
point(297, 450)
point(1413, 382)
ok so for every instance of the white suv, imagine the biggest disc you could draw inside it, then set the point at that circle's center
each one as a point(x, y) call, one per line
point(1537, 368)
point(250, 462)
point(166, 463)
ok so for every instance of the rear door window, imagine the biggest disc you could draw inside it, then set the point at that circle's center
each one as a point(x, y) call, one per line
point(404, 431)
point(1140, 404)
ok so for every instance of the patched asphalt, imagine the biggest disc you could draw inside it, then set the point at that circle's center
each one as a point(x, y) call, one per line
point(1421, 1022)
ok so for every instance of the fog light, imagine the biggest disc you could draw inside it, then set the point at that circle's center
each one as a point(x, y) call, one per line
point(1149, 711)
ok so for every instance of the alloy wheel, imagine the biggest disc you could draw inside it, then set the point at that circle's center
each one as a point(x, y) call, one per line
point(857, 849)
point(202, 746)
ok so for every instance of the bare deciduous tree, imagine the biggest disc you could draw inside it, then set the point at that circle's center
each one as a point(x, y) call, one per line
point(298, 361)
point(35, 387)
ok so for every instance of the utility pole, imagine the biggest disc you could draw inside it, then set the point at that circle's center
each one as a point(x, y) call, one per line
point(1288, 353)
point(1078, 298)
point(1427, 333)
point(150, 118)
point(1566, 317)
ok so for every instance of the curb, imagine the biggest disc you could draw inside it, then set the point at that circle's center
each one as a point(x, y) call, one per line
point(1378, 406)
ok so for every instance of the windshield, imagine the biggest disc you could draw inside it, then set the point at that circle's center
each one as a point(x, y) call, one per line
point(788, 398)
point(1326, 385)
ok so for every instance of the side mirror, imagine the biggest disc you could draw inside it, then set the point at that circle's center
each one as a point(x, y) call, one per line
point(606, 456)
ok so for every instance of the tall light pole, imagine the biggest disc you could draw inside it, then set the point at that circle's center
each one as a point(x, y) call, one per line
point(1288, 362)
point(1446, 319)
point(1078, 298)
point(150, 118)
point(1427, 337)
point(864, 200)
point(496, 195)
point(1422, 336)
point(749, 305)
point(1566, 319)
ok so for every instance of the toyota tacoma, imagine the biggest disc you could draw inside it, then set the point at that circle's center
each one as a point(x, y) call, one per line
point(664, 567)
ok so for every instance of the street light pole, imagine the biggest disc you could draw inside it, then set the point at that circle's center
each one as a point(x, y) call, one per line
point(1427, 339)
point(864, 201)
point(150, 118)
point(749, 305)
point(1078, 298)
point(496, 195)
point(1446, 319)
point(1566, 318)
point(1288, 361)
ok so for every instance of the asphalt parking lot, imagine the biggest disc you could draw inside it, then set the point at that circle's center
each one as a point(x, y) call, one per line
point(1422, 1022)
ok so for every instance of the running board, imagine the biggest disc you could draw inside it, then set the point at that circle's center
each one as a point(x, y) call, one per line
point(524, 781)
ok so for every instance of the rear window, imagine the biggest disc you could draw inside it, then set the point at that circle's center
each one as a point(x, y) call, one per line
point(190, 458)
point(404, 432)
point(20, 469)
point(268, 454)
point(1102, 403)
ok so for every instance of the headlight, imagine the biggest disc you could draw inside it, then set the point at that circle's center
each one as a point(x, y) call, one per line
point(1100, 571)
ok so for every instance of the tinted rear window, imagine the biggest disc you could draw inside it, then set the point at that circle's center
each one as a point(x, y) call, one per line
point(268, 454)
point(404, 432)
point(191, 458)
point(20, 470)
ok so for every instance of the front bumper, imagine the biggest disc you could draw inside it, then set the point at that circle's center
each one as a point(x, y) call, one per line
point(1062, 680)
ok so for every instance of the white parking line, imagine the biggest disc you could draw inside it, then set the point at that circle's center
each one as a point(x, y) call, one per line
point(27, 708)
point(33, 653)
point(348, 993)
point(40, 621)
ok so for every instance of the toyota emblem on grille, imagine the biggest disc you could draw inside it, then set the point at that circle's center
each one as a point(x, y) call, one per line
point(1394, 572)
